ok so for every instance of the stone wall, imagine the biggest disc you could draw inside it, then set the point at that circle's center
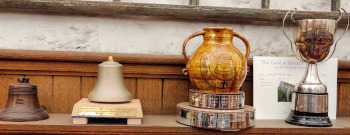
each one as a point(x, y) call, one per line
point(148, 35)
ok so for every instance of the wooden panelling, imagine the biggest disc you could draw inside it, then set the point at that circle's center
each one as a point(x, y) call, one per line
point(156, 80)
point(130, 84)
point(343, 100)
point(149, 91)
point(247, 87)
point(5, 81)
point(174, 91)
point(338, 92)
point(45, 90)
point(87, 85)
point(66, 92)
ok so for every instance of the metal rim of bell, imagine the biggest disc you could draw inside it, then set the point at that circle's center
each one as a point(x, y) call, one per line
point(229, 101)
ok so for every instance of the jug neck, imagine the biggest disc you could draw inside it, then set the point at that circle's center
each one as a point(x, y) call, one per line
point(225, 40)
point(218, 35)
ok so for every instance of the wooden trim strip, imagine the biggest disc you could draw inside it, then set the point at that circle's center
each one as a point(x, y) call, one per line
point(343, 65)
point(148, 130)
point(166, 124)
point(112, 9)
point(63, 73)
point(85, 64)
point(88, 69)
point(98, 57)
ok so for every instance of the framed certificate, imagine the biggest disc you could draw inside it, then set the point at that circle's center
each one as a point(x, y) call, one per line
point(274, 79)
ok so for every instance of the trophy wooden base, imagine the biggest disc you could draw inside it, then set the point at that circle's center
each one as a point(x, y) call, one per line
point(84, 109)
point(309, 119)
point(224, 120)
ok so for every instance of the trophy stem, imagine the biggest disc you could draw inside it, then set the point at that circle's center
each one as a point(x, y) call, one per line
point(311, 82)
point(311, 73)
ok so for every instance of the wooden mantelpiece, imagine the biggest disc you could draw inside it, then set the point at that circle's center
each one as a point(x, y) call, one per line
point(63, 78)
point(163, 124)
point(88, 57)
point(98, 57)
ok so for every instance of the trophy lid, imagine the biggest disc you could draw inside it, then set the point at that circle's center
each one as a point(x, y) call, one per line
point(22, 84)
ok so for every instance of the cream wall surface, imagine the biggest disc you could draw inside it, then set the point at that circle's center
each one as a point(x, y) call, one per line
point(149, 35)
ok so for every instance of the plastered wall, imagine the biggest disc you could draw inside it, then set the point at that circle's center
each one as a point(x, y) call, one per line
point(148, 35)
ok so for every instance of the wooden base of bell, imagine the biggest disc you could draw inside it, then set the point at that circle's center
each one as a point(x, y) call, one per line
point(85, 110)
point(224, 120)
point(23, 115)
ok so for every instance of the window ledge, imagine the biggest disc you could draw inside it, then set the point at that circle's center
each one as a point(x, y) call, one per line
point(113, 9)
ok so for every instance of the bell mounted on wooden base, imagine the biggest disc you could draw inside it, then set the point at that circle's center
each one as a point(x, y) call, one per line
point(22, 103)
point(109, 99)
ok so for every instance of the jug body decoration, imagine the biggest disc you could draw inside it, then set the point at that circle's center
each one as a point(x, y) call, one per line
point(217, 70)
point(217, 66)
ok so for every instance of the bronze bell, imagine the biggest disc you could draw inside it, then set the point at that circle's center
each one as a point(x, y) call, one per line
point(22, 103)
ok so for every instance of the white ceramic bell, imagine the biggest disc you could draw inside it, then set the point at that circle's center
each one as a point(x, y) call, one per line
point(110, 86)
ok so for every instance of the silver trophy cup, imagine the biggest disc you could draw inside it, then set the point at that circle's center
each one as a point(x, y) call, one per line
point(313, 39)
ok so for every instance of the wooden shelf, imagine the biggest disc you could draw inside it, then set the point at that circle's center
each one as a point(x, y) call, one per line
point(114, 9)
point(161, 124)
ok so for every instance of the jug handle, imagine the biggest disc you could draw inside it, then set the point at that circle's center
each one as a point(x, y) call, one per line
point(184, 48)
point(246, 44)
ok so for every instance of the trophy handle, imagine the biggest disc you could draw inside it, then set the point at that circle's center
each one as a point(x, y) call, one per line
point(291, 43)
point(346, 29)
point(247, 46)
point(184, 48)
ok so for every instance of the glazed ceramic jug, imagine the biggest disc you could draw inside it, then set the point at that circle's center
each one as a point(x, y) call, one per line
point(217, 66)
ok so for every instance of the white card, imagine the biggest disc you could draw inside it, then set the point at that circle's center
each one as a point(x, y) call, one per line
point(273, 73)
